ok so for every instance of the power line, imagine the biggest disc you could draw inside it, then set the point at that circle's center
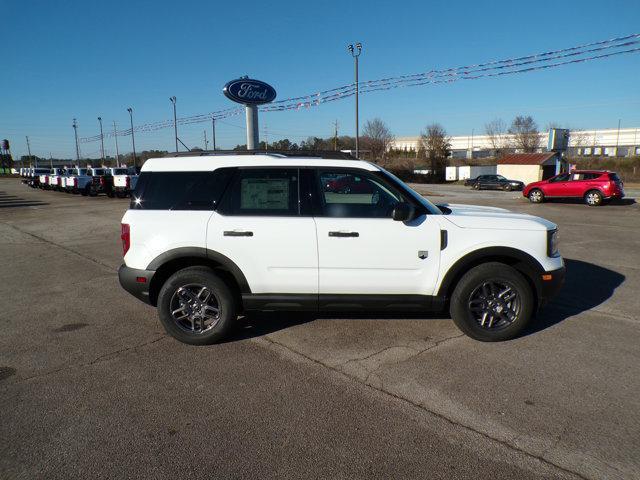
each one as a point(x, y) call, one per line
point(517, 65)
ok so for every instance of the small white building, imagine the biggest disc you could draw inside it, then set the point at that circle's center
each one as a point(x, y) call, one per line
point(529, 167)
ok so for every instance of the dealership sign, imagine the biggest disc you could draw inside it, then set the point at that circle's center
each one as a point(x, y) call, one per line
point(249, 91)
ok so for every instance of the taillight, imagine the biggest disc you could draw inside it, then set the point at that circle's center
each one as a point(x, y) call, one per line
point(102, 180)
point(125, 236)
point(127, 181)
point(75, 183)
point(46, 180)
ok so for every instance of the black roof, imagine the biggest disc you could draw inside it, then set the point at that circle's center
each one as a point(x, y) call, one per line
point(329, 154)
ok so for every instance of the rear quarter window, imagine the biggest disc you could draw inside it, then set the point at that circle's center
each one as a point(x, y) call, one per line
point(180, 190)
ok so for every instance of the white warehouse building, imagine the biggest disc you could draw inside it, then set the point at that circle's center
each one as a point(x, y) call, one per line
point(610, 142)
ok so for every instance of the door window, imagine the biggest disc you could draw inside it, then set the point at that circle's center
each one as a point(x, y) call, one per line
point(264, 192)
point(560, 178)
point(350, 194)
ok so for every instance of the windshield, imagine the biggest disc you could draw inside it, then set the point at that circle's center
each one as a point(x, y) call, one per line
point(119, 171)
point(431, 208)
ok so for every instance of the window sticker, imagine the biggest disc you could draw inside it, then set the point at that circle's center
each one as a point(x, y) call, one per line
point(267, 194)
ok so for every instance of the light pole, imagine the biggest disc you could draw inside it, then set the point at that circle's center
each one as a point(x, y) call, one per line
point(75, 132)
point(133, 138)
point(213, 131)
point(101, 139)
point(115, 136)
point(355, 53)
point(175, 122)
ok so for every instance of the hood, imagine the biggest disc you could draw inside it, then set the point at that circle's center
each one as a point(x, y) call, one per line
point(493, 218)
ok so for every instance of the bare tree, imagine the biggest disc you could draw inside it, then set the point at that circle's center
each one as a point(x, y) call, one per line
point(377, 138)
point(496, 130)
point(524, 134)
point(437, 147)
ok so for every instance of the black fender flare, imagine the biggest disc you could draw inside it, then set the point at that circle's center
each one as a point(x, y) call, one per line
point(187, 252)
point(523, 262)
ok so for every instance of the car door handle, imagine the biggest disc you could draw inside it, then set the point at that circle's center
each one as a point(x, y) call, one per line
point(344, 234)
point(237, 233)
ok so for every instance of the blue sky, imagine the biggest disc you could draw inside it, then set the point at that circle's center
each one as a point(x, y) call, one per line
point(69, 59)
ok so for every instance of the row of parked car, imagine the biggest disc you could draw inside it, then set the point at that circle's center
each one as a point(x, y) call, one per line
point(90, 181)
point(594, 187)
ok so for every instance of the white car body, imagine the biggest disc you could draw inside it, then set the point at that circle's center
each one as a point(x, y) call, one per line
point(329, 260)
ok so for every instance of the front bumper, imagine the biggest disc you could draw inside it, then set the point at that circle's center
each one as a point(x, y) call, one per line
point(550, 284)
point(136, 282)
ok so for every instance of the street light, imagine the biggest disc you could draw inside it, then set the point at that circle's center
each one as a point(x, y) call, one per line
point(101, 139)
point(355, 53)
point(175, 123)
point(133, 138)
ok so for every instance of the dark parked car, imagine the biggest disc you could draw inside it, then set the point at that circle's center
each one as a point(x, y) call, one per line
point(496, 182)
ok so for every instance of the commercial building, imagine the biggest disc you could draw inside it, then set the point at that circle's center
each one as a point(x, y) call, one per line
point(610, 142)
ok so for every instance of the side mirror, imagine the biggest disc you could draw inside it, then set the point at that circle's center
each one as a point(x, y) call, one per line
point(402, 212)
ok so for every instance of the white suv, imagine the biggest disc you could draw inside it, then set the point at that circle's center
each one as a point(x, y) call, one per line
point(208, 237)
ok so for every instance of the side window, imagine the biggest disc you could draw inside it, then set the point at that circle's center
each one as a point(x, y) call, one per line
point(560, 178)
point(355, 195)
point(180, 190)
point(262, 192)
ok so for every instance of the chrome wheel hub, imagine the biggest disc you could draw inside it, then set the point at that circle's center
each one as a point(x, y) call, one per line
point(494, 305)
point(195, 308)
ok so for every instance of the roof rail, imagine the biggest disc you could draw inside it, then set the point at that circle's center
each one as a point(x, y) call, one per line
point(328, 154)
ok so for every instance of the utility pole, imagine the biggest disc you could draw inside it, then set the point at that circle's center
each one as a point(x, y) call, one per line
point(75, 132)
point(29, 150)
point(175, 120)
point(355, 53)
point(101, 140)
point(115, 136)
point(213, 130)
point(335, 135)
point(133, 138)
point(50, 160)
point(206, 144)
point(618, 137)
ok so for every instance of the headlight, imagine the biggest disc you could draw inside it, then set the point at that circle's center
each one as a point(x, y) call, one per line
point(552, 243)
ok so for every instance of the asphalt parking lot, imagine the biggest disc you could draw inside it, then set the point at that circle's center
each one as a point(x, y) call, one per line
point(91, 387)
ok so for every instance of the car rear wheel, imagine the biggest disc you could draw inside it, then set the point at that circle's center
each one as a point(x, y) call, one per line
point(593, 198)
point(196, 307)
point(492, 302)
point(536, 196)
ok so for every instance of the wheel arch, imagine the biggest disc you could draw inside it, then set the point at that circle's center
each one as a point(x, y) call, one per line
point(524, 263)
point(169, 262)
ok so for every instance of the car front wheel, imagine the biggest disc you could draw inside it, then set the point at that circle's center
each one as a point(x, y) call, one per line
point(536, 196)
point(492, 302)
point(196, 307)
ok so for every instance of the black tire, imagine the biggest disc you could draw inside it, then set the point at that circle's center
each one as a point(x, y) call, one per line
point(536, 196)
point(85, 191)
point(593, 198)
point(197, 276)
point(507, 188)
point(507, 319)
point(476, 186)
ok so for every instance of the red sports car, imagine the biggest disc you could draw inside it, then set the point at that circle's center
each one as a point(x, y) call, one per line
point(595, 187)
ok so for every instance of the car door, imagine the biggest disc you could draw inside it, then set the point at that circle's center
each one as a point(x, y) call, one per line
point(362, 250)
point(259, 226)
point(557, 186)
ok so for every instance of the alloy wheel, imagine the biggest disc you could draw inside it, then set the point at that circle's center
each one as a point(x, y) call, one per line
point(494, 304)
point(195, 308)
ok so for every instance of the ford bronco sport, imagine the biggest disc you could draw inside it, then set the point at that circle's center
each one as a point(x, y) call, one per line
point(209, 237)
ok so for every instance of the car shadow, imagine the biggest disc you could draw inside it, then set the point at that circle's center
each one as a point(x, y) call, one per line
point(578, 294)
point(580, 201)
point(12, 201)
point(586, 286)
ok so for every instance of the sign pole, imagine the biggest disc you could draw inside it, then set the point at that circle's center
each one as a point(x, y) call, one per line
point(253, 140)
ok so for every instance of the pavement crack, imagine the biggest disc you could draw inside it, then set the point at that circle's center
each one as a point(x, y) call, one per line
point(63, 247)
point(98, 359)
point(423, 408)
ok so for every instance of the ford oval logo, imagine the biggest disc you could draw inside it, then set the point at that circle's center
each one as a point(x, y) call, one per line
point(249, 91)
